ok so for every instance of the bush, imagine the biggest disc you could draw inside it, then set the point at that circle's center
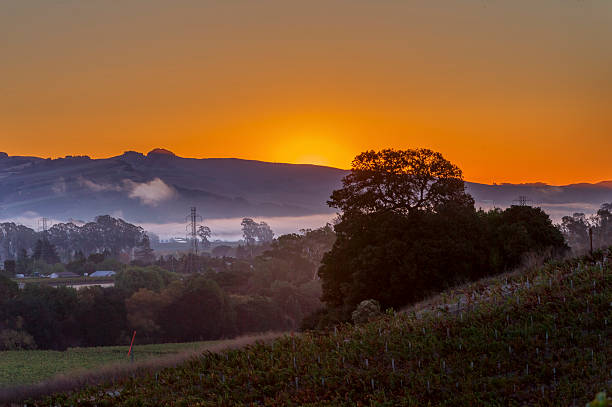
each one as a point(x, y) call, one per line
point(16, 340)
point(366, 311)
point(600, 401)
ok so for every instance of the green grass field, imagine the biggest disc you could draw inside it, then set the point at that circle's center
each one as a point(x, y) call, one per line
point(28, 367)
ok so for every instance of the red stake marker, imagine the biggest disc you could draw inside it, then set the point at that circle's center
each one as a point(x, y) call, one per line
point(131, 343)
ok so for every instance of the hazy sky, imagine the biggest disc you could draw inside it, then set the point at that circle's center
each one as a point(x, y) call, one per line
point(510, 90)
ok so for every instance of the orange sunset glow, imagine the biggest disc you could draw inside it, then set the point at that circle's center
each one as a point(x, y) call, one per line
point(504, 89)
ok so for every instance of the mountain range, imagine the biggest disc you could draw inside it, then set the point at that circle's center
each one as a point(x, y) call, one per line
point(160, 187)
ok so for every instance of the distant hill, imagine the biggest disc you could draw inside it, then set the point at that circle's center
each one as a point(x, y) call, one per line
point(160, 187)
point(558, 201)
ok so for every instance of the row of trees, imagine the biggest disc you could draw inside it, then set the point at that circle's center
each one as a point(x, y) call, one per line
point(64, 240)
point(27, 251)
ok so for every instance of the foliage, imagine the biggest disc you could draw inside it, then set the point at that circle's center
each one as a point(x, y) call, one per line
point(101, 316)
point(104, 234)
point(575, 228)
point(143, 308)
point(538, 338)
point(9, 268)
point(134, 278)
point(14, 239)
point(16, 340)
point(204, 233)
point(408, 229)
point(397, 259)
point(8, 289)
point(221, 251)
point(258, 314)
point(275, 290)
point(45, 313)
point(200, 310)
point(516, 231)
point(254, 232)
point(366, 311)
point(402, 181)
point(600, 401)
point(143, 253)
point(45, 251)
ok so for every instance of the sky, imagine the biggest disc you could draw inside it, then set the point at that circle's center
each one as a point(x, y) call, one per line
point(509, 90)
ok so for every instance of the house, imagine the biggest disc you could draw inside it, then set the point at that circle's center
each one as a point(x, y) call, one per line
point(64, 274)
point(103, 273)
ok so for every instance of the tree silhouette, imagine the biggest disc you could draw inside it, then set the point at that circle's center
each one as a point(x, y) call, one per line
point(402, 181)
point(204, 233)
point(254, 232)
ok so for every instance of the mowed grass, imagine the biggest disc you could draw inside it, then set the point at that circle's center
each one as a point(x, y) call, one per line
point(33, 366)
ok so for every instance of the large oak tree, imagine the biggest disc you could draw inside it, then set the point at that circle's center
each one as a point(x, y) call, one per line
point(402, 181)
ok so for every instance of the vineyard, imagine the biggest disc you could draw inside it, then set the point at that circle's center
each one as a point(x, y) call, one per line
point(540, 337)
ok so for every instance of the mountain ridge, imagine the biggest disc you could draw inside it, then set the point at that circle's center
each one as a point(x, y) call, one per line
point(159, 187)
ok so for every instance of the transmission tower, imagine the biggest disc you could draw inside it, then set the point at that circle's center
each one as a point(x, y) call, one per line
point(192, 236)
point(192, 230)
point(43, 226)
point(522, 200)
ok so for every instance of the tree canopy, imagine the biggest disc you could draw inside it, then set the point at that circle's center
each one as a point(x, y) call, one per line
point(409, 229)
point(576, 229)
point(254, 232)
point(401, 181)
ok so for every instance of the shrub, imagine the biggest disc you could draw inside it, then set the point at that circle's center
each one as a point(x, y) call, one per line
point(366, 311)
point(16, 340)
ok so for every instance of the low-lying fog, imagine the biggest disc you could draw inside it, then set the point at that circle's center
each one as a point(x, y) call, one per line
point(229, 229)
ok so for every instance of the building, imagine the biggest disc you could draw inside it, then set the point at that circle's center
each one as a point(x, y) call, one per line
point(103, 273)
point(64, 274)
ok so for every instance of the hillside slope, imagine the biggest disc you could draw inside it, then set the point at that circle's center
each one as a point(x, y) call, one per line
point(541, 337)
